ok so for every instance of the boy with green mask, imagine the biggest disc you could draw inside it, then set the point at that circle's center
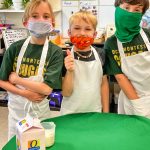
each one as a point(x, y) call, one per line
point(128, 57)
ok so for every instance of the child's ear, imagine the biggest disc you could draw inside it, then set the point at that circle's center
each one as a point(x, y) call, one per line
point(69, 32)
point(25, 23)
point(95, 34)
point(53, 22)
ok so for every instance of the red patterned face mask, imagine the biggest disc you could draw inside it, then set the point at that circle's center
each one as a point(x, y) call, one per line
point(81, 42)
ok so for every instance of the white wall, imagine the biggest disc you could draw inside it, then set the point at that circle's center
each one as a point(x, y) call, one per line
point(105, 12)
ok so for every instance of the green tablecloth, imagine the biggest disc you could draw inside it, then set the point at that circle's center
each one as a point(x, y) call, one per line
point(95, 131)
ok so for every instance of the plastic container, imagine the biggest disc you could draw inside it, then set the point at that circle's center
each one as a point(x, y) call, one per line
point(55, 100)
point(49, 133)
point(55, 37)
point(145, 22)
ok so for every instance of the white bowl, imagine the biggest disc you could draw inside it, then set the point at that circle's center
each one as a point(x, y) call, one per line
point(17, 1)
point(18, 6)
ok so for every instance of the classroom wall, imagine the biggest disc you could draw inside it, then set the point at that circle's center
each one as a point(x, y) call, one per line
point(103, 9)
point(64, 8)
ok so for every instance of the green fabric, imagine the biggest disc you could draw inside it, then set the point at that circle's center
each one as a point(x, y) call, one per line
point(30, 63)
point(113, 61)
point(96, 131)
point(127, 24)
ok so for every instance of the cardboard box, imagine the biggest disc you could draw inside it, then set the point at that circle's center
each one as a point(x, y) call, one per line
point(30, 134)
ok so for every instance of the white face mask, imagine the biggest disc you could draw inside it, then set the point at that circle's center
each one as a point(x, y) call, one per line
point(40, 29)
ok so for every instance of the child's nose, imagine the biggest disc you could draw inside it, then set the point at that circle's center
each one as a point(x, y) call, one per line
point(41, 19)
point(82, 32)
point(131, 10)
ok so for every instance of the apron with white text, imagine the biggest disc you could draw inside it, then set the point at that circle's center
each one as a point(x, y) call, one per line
point(19, 106)
point(86, 95)
point(137, 69)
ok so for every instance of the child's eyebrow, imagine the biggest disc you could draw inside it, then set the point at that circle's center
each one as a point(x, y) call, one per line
point(77, 25)
point(34, 13)
point(140, 5)
point(88, 26)
point(47, 14)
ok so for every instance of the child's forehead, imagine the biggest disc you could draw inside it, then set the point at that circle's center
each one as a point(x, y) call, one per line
point(79, 20)
point(82, 24)
point(40, 7)
point(35, 10)
point(40, 12)
point(133, 2)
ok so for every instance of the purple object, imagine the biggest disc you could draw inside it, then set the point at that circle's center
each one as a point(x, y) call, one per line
point(55, 100)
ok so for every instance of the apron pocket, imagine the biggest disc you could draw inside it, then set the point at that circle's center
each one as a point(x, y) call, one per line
point(141, 106)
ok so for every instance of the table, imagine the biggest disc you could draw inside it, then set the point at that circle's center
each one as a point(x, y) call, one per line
point(96, 131)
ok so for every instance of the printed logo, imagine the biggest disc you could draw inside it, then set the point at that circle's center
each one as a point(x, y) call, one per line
point(22, 122)
point(34, 145)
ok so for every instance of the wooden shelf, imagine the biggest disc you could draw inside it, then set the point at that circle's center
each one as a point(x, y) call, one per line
point(10, 10)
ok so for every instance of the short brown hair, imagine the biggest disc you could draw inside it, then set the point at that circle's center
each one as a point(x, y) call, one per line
point(144, 3)
point(87, 16)
point(31, 5)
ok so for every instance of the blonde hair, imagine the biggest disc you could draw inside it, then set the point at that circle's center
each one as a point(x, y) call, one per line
point(86, 16)
point(31, 5)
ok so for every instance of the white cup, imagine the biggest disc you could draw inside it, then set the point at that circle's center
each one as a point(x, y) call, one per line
point(49, 133)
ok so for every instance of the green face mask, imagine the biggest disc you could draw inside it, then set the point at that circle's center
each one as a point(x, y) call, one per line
point(127, 24)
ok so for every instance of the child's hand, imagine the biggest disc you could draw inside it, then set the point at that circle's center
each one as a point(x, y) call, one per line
point(69, 62)
point(33, 96)
point(68, 52)
point(13, 77)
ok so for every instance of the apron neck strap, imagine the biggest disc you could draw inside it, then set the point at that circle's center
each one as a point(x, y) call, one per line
point(97, 58)
point(92, 49)
point(146, 41)
point(21, 54)
point(42, 60)
point(120, 49)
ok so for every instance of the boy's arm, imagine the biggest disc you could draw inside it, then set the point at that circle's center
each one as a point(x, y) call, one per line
point(38, 87)
point(35, 97)
point(105, 94)
point(126, 86)
point(67, 85)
